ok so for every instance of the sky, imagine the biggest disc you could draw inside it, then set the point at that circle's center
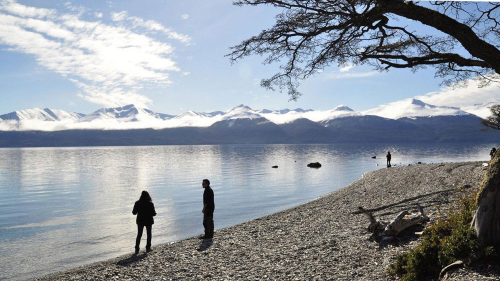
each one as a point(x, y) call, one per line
point(169, 56)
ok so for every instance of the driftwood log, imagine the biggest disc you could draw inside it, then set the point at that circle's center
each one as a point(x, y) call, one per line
point(400, 223)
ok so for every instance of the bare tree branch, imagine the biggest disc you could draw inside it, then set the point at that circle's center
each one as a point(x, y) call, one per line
point(313, 34)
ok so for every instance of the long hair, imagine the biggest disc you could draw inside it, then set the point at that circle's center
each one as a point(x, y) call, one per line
point(145, 197)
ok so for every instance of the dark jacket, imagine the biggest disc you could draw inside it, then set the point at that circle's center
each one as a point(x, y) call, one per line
point(208, 198)
point(145, 211)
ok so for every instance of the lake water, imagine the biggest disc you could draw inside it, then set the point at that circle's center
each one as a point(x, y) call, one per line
point(65, 207)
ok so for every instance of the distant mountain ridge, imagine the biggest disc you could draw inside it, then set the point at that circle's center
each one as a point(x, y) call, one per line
point(412, 121)
point(409, 108)
point(40, 114)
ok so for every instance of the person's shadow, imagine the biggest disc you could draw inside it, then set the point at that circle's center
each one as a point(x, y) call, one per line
point(131, 259)
point(205, 244)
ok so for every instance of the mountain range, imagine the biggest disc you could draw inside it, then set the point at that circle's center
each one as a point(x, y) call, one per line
point(408, 120)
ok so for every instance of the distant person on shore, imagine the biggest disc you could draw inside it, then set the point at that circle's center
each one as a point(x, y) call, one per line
point(145, 211)
point(492, 152)
point(208, 210)
point(388, 156)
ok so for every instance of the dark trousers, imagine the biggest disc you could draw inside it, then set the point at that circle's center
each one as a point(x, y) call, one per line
point(208, 223)
point(140, 229)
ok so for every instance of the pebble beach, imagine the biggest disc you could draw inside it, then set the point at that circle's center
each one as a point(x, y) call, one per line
point(325, 239)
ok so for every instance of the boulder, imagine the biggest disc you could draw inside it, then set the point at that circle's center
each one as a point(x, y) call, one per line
point(314, 165)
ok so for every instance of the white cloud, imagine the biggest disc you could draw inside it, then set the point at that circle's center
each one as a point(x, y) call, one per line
point(155, 26)
point(109, 64)
point(185, 16)
point(347, 68)
point(78, 9)
point(98, 15)
point(118, 16)
point(462, 97)
point(150, 25)
point(23, 11)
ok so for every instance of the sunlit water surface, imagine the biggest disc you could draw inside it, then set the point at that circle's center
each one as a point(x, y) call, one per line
point(65, 207)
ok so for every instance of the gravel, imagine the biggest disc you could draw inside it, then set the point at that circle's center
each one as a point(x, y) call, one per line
point(325, 239)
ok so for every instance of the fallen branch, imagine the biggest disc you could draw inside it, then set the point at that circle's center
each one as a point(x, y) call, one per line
point(400, 223)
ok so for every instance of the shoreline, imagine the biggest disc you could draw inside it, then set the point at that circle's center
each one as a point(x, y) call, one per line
point(323, 239)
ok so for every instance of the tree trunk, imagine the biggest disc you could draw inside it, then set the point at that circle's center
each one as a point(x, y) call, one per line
point(486, 219)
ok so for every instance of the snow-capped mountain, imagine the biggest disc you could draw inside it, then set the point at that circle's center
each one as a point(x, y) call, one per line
point(413, 108)
point(132, 117)
point(326, 115)
point(40, 114)
point(195, 119)
point(128, 113)
point(482, 110)
point(241, 112)
point(287, 116)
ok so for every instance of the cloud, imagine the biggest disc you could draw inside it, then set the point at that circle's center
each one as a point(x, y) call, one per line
point(118, 16)
point(150, 25)
point(347, 68)
point(185, 16)
point(98, 15)
point(465, 96)
point(344, 73)
point(14, 8)
point(108, 63)
point(78, 9)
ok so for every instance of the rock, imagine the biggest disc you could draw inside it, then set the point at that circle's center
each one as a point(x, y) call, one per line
point(374, 157)
point(314, 165)
point(276, 166)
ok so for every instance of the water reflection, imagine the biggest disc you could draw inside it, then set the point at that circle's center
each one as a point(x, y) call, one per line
point(64, 207)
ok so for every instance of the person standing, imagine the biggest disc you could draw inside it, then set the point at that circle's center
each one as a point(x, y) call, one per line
point(208, 210)
point(145, 211)
point(388, 156)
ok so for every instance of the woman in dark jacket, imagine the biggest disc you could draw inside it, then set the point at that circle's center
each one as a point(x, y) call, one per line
point(145, 211)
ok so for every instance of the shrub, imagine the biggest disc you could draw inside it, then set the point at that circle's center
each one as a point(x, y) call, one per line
point(443, 243)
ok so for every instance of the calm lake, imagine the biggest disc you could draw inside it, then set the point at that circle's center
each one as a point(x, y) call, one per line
point(65, 207)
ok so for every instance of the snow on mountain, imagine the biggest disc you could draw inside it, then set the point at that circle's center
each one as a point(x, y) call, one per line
point(40, 114)
point(215, 113)
point(62, 115)
point(325, 115)
point(132, 117)
point(241, 112)
point(316, 116)
point(128, 113)
point(413, 108)
point(195, 119)
point(481, 110)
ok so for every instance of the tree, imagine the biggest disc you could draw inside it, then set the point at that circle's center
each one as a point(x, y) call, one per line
point(487, 216)
point(310, 35)
point(313, 34)
point(493, 121)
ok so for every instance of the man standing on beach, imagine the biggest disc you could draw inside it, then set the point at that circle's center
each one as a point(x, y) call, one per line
point(388, 156)
point(208, 210)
